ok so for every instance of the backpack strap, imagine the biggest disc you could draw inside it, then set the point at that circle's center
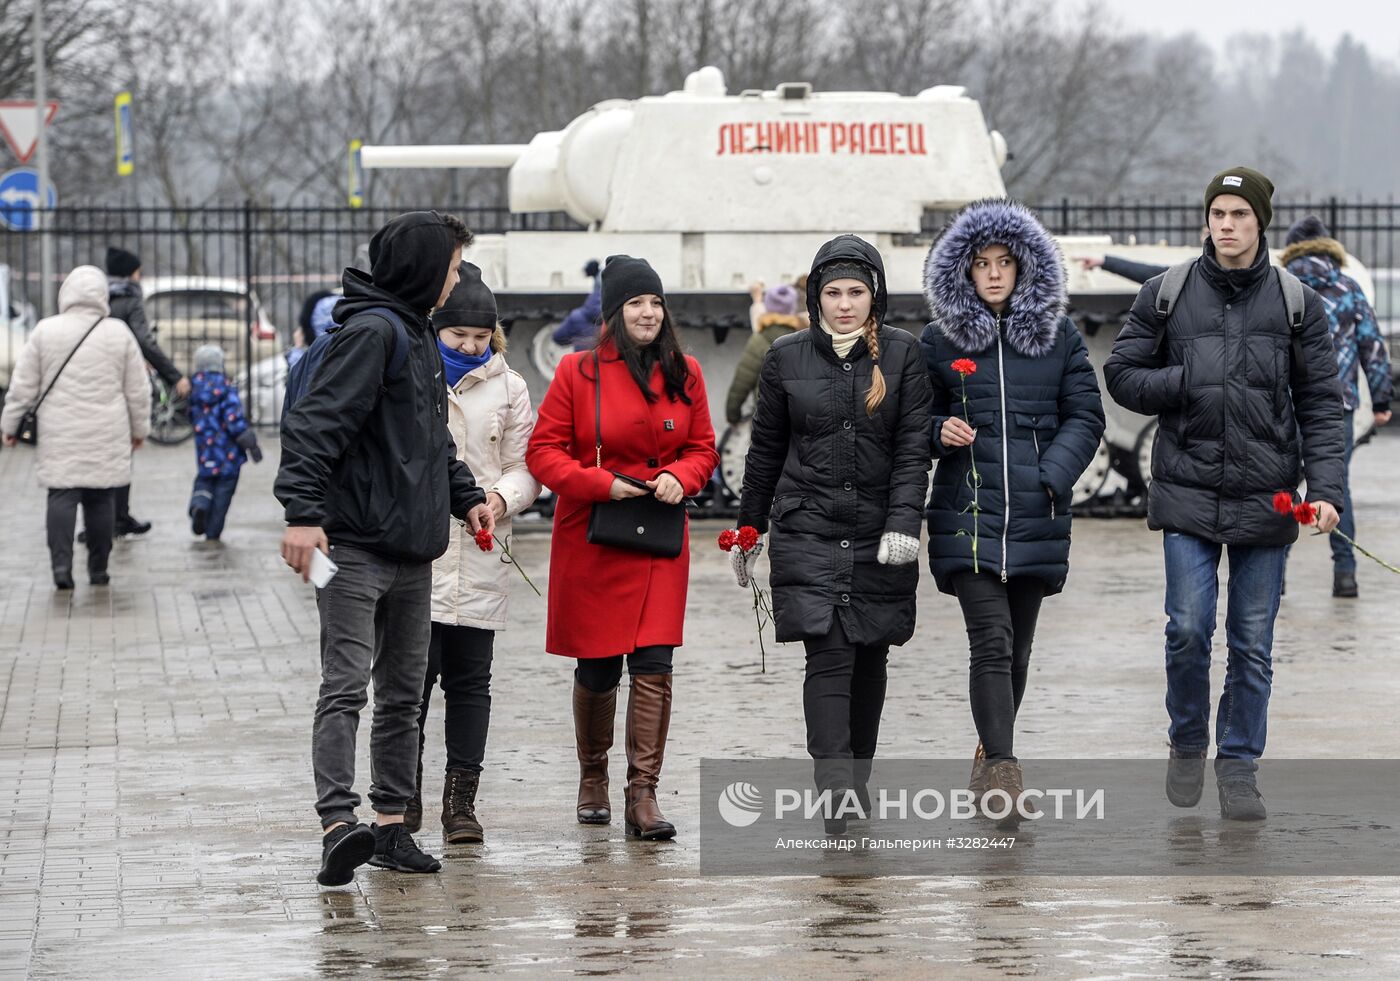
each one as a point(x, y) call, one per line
point(1173, 280)
point(400, 354)
point(1293, 302)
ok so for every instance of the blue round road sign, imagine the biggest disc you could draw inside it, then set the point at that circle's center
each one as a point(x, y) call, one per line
point(19, 196)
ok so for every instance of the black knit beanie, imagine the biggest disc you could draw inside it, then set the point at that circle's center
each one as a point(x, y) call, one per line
point(470, 304)
point(1249, 184)
point(625, 277)
point(1305, 228)
point(121, 262)
point(833, 271)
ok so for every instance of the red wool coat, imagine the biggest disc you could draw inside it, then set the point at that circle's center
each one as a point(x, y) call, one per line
point(607, 601)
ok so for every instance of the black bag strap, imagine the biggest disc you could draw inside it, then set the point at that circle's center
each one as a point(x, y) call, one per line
point(54, 379)
point(597, 412)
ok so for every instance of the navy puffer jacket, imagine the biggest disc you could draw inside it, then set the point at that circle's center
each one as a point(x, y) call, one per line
point(1034, 401)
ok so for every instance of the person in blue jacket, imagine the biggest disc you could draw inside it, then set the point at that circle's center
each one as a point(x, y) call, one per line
point(580, 327)
point(222, 442)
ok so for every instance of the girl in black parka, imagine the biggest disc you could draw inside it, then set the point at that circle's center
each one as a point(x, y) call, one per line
point(996, 286)
point(839, 463)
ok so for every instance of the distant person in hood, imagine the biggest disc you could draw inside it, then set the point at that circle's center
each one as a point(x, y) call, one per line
point(580, 327)
point(370, 476)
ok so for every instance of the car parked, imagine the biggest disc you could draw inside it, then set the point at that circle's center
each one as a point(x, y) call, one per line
point(189, 311)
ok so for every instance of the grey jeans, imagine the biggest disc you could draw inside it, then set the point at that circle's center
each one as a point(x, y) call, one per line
point(376, 620)
point(99, 517)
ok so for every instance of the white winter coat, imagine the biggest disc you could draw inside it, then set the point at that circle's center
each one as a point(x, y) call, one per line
point(491, 420)
point(100, 402)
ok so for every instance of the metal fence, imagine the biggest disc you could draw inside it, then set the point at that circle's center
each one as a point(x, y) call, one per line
point(240, 275)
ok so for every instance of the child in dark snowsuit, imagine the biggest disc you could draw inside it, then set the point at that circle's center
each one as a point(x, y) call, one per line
point(222, 442)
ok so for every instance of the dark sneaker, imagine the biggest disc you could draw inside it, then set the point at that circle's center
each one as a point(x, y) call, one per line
point(130, 526)
point(1186, 776)
point(1344, 584)
point(1240, 800)
point(199, 520)
point(395, 849)
point(100, 579)
point(342, 851)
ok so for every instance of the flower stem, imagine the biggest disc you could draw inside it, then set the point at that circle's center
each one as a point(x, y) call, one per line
point(511, 559)
point(976, 480)
point(1374, 558)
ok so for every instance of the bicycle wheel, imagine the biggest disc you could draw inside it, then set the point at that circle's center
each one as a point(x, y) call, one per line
point(170, 415)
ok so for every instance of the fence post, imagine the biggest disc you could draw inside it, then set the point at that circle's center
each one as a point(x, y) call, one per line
point(1064, 216)
point(1332, 216)
point(249, 396)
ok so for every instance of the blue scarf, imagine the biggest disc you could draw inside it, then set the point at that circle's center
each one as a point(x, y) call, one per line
point(458, 364)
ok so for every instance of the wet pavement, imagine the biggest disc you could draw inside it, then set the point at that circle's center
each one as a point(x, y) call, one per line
point(155, 787)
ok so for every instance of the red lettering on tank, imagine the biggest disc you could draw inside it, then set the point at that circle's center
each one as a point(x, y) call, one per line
point(838, 137)
point(916, 139)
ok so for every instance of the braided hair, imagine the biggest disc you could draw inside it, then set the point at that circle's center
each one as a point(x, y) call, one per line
point(876, 394)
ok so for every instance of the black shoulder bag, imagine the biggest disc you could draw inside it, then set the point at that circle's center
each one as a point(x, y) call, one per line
point(639, 524)
point(28, 432)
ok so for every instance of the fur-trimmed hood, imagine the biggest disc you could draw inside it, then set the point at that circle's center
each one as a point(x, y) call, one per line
point(1037, 302)
point(1328, 248)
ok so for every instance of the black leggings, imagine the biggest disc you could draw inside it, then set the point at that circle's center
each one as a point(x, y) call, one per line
point(842, 698)
point(461, 657)
point(602, 674)
point(1000, 620)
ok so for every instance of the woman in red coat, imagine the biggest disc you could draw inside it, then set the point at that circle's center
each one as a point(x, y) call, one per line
point(606, 603)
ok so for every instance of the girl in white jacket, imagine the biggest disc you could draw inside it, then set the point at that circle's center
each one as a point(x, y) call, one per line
point(491, 419)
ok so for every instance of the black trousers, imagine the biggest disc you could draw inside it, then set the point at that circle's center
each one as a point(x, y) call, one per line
point(1000, 620)
point(123, 498)
point(99, 517)
point(460, 657)
point(842, 697)
point(602, 674)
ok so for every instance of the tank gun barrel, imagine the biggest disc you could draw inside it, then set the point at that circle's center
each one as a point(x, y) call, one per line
point(463, 155)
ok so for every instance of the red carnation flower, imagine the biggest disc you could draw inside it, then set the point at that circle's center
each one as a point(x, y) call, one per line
point(1305, 514)
point(965, 366)
point(748, 538)
point(728, 539)
point(1283, 502)
point(484, 540)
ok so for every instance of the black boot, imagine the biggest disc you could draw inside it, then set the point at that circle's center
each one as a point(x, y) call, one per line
point(1186, 777)
point(459, 820)
point(1344, 584)
point(1240, 800)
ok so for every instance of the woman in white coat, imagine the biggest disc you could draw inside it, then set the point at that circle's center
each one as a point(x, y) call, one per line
point(490, 417)
point(96, 413)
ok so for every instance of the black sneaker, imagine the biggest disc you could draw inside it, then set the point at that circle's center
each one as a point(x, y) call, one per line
point(342, 850)
point(62, 579)
point(1344, 585)
point(1240, 800)
point(1186, 777)
point(395, 849)
point(199, 520)
point(100, 579)
point(130, 526)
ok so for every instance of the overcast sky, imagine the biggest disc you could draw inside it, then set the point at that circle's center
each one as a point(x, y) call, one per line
point(1375, 22)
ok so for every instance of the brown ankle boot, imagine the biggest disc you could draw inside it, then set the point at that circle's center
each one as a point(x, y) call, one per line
point(413, 810)
point(977, 783)
point(459, 822)
point(648, 719)
point(1005, 775)
point(593, 735)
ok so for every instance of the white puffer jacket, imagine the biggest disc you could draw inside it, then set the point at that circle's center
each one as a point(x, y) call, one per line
point(100, 402)
point(491, 420)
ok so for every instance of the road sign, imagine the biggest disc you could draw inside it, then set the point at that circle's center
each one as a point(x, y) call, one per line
point(19, 124)
point(357, 176)
point(126, 147)
point(19, 196)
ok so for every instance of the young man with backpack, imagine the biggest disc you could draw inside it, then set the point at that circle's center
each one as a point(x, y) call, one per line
point(368, 476)
point(1234, 358)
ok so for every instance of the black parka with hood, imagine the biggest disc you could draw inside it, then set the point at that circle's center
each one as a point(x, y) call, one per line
point(370, 458)
point(833, 478)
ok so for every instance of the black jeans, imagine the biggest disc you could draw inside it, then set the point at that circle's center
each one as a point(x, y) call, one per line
point(99, 517)
point(602, 674)
point(842, 698)
point(461, 658)
point(1000, 620)
point(123, 496)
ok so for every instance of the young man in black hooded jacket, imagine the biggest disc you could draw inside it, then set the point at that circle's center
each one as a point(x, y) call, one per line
point(369, 475)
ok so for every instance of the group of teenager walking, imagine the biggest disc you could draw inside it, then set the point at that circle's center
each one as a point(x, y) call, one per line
point(387, 445)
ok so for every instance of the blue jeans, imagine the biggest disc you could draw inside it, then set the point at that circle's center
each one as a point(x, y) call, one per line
point(1256, 579)
point(213, 495)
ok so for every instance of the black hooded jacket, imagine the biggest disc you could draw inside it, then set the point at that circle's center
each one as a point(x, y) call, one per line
point(1231, 398)
point(367, 458)
point(834, 479)
point(124, 297)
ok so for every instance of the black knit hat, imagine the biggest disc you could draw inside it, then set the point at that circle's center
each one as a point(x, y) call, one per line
point(1249, 184)
point(625, 277)
point(470, 304)
point(121, 262)
point(833, 271)
point(1305, 228)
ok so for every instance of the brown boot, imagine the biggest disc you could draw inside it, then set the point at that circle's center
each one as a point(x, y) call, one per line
point(648, 719)
point(413, 810)
point(459, 823)
point(593, 735)
point(977, 783)
point(1005, 775)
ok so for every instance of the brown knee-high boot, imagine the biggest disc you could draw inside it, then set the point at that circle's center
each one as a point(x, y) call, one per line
point(593, 735)
point(648, 719)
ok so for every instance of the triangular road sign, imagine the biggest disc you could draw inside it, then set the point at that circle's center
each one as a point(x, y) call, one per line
point(19, 124)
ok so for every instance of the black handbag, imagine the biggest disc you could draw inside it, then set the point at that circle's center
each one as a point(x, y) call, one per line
point(28, 431)
point(639, 524)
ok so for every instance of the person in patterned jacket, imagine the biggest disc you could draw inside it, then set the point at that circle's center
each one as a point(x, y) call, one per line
point(222, 442)
point(1316, 258)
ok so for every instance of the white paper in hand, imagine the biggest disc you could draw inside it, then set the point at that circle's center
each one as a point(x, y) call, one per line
point(322, 568)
